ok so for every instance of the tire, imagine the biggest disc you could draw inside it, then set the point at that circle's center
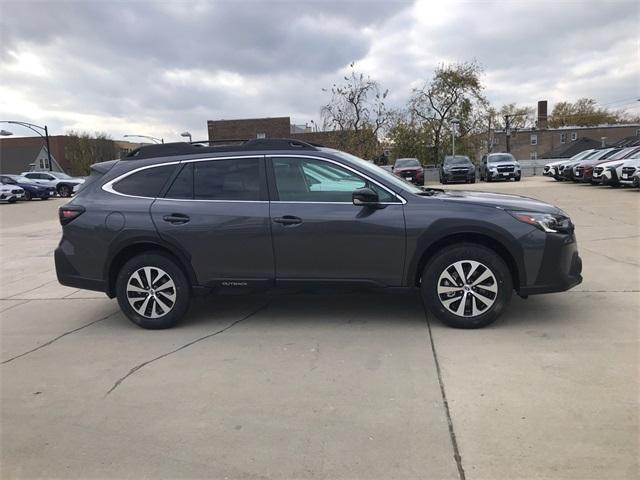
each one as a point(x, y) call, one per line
point(475, 261)
point(488, 179)
point(518, 179)
point(132, 283)
point(64, 191)
point(473, 180)
point(44, 198)
point(27, 195)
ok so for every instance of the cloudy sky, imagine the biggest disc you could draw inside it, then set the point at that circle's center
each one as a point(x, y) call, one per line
point(161, 67)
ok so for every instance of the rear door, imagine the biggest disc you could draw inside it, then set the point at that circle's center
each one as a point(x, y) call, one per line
point(217, 212)
point(320, 235)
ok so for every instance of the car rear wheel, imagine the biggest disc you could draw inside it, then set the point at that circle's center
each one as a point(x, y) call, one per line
point(467, 286)
point(64, 190)
point(153, 291)
point(27, 195)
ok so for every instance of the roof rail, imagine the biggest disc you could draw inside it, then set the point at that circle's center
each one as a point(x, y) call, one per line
point(184, 148)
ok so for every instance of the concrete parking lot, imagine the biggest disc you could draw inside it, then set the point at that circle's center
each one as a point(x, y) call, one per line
point(341, 385)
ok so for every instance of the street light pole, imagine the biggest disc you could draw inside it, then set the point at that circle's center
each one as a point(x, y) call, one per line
point(454, 123)
point(32, 127)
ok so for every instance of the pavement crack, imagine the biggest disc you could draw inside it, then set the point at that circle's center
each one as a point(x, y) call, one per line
point(186, 345)
point(452, 434)
point(46, 344)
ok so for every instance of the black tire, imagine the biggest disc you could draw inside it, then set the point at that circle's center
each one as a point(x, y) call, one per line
point(518, 178)
point(473, 180)
point(155, 261)
point(65, 191)
point(27, 195)
point(488, 179)
point(44, 198)
point(465, 252)
point(13, 200)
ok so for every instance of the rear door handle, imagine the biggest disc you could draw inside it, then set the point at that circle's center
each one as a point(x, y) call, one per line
point(176, 218)
point(288, 220)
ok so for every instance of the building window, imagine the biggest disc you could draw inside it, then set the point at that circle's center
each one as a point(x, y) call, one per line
point(534, 139)
point(261, 135)
point(44, 164)
point(574, 136)
point(496, 140)
point(638, 133)
point(563, 138)
point(533, 156)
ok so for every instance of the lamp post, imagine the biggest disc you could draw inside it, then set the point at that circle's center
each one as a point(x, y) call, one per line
point(454, 123)
point(186, 134)
point(153, 139)
point(34, 128)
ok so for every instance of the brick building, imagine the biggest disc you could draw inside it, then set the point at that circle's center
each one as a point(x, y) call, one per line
point(277, 127)
point(542, 142)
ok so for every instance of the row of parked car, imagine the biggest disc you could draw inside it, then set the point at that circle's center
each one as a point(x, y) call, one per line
point(460, 168)
point(614, 166)
point(41, 185)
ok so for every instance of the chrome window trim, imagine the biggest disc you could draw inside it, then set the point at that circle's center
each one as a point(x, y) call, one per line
point(108, 187)
point(402, 201)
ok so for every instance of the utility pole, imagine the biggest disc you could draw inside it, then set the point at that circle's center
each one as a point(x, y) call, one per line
point(507, 131)
point(489, 145)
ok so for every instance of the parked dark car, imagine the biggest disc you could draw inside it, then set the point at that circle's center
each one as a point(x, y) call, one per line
point(31, 189)
point(410, 169)
point(499, 166)
point(457, 169)
point(175, 219)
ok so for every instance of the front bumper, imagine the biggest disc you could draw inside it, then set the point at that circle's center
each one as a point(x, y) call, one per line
point(560, 268)
point(504, 175)
point(459, 177)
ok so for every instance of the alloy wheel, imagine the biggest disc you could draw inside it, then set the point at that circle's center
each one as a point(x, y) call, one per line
point(151, 292)
point(467, 288)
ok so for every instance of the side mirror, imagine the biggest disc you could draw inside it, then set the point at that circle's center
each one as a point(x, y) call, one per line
point(364, 197)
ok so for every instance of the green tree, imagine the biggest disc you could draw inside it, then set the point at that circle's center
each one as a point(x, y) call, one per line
point(82, 149)
point(454, 92)
point(409, 138)
point(583, 112)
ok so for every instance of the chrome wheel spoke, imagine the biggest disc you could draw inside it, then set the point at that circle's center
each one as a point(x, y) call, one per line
point(146, 300)
point(470, 296)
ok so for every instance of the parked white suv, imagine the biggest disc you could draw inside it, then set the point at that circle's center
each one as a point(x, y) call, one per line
point(11, 193)
point(62, 182)
point(628, 172)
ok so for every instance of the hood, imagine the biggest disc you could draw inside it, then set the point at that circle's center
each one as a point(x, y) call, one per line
point(507, 163)
point(407, 169)
point(557, 162)
point(500, 200)
point(467, 166)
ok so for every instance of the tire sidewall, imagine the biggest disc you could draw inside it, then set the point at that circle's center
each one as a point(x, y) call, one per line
point(183, 290)
point(452, 254)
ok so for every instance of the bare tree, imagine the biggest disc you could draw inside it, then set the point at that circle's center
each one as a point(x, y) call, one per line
point(357, 108)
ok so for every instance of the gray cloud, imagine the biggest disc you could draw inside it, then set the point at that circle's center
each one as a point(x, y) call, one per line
point(169, 66)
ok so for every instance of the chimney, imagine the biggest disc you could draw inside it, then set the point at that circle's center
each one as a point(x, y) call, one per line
point(542, 115)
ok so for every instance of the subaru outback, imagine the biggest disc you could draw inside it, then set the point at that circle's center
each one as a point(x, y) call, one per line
point(173, 220)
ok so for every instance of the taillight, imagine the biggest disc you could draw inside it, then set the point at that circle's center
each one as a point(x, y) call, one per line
point(68, 213)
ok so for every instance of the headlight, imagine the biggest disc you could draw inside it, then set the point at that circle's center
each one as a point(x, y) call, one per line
point(493, 169)
point(546, 222)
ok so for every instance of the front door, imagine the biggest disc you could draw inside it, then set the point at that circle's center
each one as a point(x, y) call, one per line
point(320, 235)
point(217, 212)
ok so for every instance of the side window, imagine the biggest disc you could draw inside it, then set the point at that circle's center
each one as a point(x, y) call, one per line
point(308, 180)
point(145, 183)
point(47, 177)
point(182, 186)
point(237, 179)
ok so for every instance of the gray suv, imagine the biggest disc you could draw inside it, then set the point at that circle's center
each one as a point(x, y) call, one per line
point(172, 220)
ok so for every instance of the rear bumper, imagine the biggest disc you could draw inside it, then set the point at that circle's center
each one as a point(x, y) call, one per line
point(560, 269)
point(69, 276)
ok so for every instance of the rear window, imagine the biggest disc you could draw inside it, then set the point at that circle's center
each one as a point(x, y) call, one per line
point(237, 179)
point(145, 183)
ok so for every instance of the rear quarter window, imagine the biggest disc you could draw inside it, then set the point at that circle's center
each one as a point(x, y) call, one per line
point(145, 183)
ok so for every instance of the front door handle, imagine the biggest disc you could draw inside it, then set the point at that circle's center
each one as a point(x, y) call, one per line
point(288, 220)
point(176, 218)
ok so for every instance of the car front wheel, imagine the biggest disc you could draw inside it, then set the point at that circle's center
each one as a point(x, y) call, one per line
point(153, 291)
point(467, 286)
point(27, 195)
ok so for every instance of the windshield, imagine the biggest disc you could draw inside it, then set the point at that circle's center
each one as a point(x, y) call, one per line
point(390, 179)
point(407, 162)
point(500, 158)
point(20, 179)
point(457, 160)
